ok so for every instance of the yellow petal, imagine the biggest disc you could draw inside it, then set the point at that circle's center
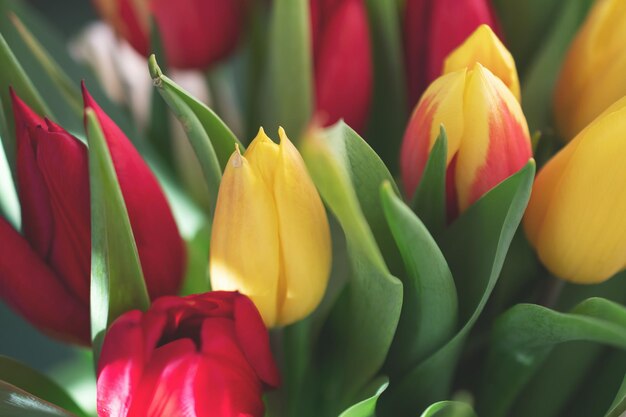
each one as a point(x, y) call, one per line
point(576, 214)
point(484, 47)
point(591, 77)
point(263, 155)
point(304, 236)
point(244, 240)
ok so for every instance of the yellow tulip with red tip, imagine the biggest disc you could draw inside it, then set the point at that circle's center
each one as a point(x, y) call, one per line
point(488, 137)
point(484, 46)
point(270, 237)
point(592, 75)
point(575, 218)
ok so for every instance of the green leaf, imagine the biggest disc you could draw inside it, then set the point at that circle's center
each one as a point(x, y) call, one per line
point(524, 336)
point(429, 201)
point(196, 279)
point(117, 283)
point(618, 408)
point(388, 112)
point(196, 133)
point(9, 203)
point(475, 247)
point(364, 320)
point(449, 409)
point(429, 307)
point(538, 85)
point(15, 402)
point(221, 138)
point(27, 379)
point(13, 75)
point(68, 88)
point(367, 407)
point(290, 102)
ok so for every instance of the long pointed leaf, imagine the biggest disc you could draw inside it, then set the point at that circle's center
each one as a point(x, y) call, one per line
point(117, 283)
point(15, 402)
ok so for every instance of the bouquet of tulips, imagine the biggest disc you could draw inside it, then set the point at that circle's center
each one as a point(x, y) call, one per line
point(313, 208)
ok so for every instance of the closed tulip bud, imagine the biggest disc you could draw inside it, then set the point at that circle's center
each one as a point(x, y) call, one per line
point(270, 237)
point(484, 47)
point(195, 33)
point(592, 75)
point(488, 136)
point(575, 218)
point(55, 250)
point(197, 356)
point(342, 60)
point(432, 29)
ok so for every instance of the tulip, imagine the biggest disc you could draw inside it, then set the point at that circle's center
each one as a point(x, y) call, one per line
point(484, 47)
point(592, 75)
point(270, 237)
point(432, 29)
point(488, 136)
point(342, 61)
point(202, 355)
point(194, 33)
point(54, 254)
point(575, 218)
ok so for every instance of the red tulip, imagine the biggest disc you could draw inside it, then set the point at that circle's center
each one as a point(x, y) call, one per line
point(45, 274)
point(202, 355)
point(342, 60)
point(432, 29)
point(195, 33)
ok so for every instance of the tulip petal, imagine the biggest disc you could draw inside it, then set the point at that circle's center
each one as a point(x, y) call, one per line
point(167, 383)
point(343, 66)
point(226, 384)
point(120, 366)
point(442, 103)
point(496, 144)
point(254, 341)
point(582, 236)
point(31, 288)
point(62, 161)
point(36, 212)
point(244, 239)
point(263, 155)
point(484, 47)
point(305, 244)
point(159, 244)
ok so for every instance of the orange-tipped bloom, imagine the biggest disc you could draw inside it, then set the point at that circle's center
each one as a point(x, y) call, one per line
point(575, 218)
point(484, 47)
point(592, 76)
point(488, 136)
point(270, 237)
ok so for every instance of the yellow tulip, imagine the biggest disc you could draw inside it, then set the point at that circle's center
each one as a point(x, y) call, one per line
point(270, 237)
point(592, 76)
point(575, 218)
point(484, 47)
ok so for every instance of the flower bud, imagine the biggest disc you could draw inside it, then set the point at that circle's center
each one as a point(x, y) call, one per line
point(55, 250)
point(343, 61)
point(270, 237)
point(575, 218)
point(432, 29)
point(488, 136)
point(484, 47)
point(592, 75)
point(195, 33)
point(206, 354)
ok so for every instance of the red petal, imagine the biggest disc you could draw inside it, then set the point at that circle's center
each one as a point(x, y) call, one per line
point(416, 30)
point(343, 67)
point(31, 288)
point(62, 161)
point(36, 212)
point(121, 365)
point(159, 244)
point(254, 341)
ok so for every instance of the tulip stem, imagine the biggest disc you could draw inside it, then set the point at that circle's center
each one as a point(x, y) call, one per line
point(552, 293)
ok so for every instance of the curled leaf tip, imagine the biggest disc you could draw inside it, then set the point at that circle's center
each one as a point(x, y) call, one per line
point(155, 70)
